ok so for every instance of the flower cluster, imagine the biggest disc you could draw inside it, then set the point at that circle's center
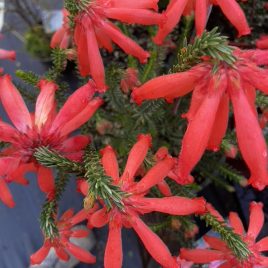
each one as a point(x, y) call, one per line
point(94, 30)
point(218, 251)
point(45, 127)
point(177, 8)
point(217, 75)
point(209, 109)
point(62, 245)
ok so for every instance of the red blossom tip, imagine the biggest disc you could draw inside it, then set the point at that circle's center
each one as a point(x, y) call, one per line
point(254, 205)
point(161, 153)
point(143, 59)
point(202, 205)
point(146, 138)
point(45, 83)
point(259, 185)
point(184, 180)
point(108, 148)
point(135, 96)
point(7, 54)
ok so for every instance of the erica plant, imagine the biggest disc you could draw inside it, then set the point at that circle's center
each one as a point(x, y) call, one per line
point(164, 102)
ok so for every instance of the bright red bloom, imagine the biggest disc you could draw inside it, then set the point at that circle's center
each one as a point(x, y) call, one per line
point(209, 109)
point(135, 204)
point(7, 54)
point(219, 251)
point(45, 127)
point(262, 42)
point(177, 8)
point(62, 245)
point(93, 30)
point(62, 37)
point(10, 172)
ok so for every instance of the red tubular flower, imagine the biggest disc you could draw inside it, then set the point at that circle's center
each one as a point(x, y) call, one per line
point(198, 133)
point(139, 4)
point(62, 37)
point(219, 251)
point(7, 54)
point(208, 113)
point(46, 127)
point(250, 137)
point(93, 30)
point(262, 42)
point(136, 203)
point(177, 8)
point(8, 166)
point(175, 85)
point(62, 245)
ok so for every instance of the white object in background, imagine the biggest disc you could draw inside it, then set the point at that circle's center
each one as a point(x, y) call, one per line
point(2, 12)
point(52, 20)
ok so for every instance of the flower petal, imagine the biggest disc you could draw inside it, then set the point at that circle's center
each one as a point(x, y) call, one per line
point(173, 14)
point(82, 117)
point(94, 57)
point(197, 135)
point(201, 10)
point(99, 218)
point(142, 4)
point(262, 42)
point(7, 54)
point(109, 162)
point(80, 253)
point(67, 215)
point(62, 254)
point(113, 256)
point(103, 40)
point(124, 42)
point(198, 95)
point(164, 188)
point(132, 15)
point(80, 233)
point(249, 136)
point(215, 243)
point(14, 105)
point(167, 86)
point(8, 133)
point(46, 181)
point(220, 125)
point(59, 39)
point(40, 255)
point(176, 205)
point(80, 40)
point(74, 105)
point(263, 261)
point(5, 194)
point(155, 175)
point(136, 156)
point(45, 102)
point(201, 255)
point(256, 219)
point(153, 243)
point(255, 76)
point(262, 245)
point(82, 215)
point(236, 223)
point(235, 15)
point(75, 143)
